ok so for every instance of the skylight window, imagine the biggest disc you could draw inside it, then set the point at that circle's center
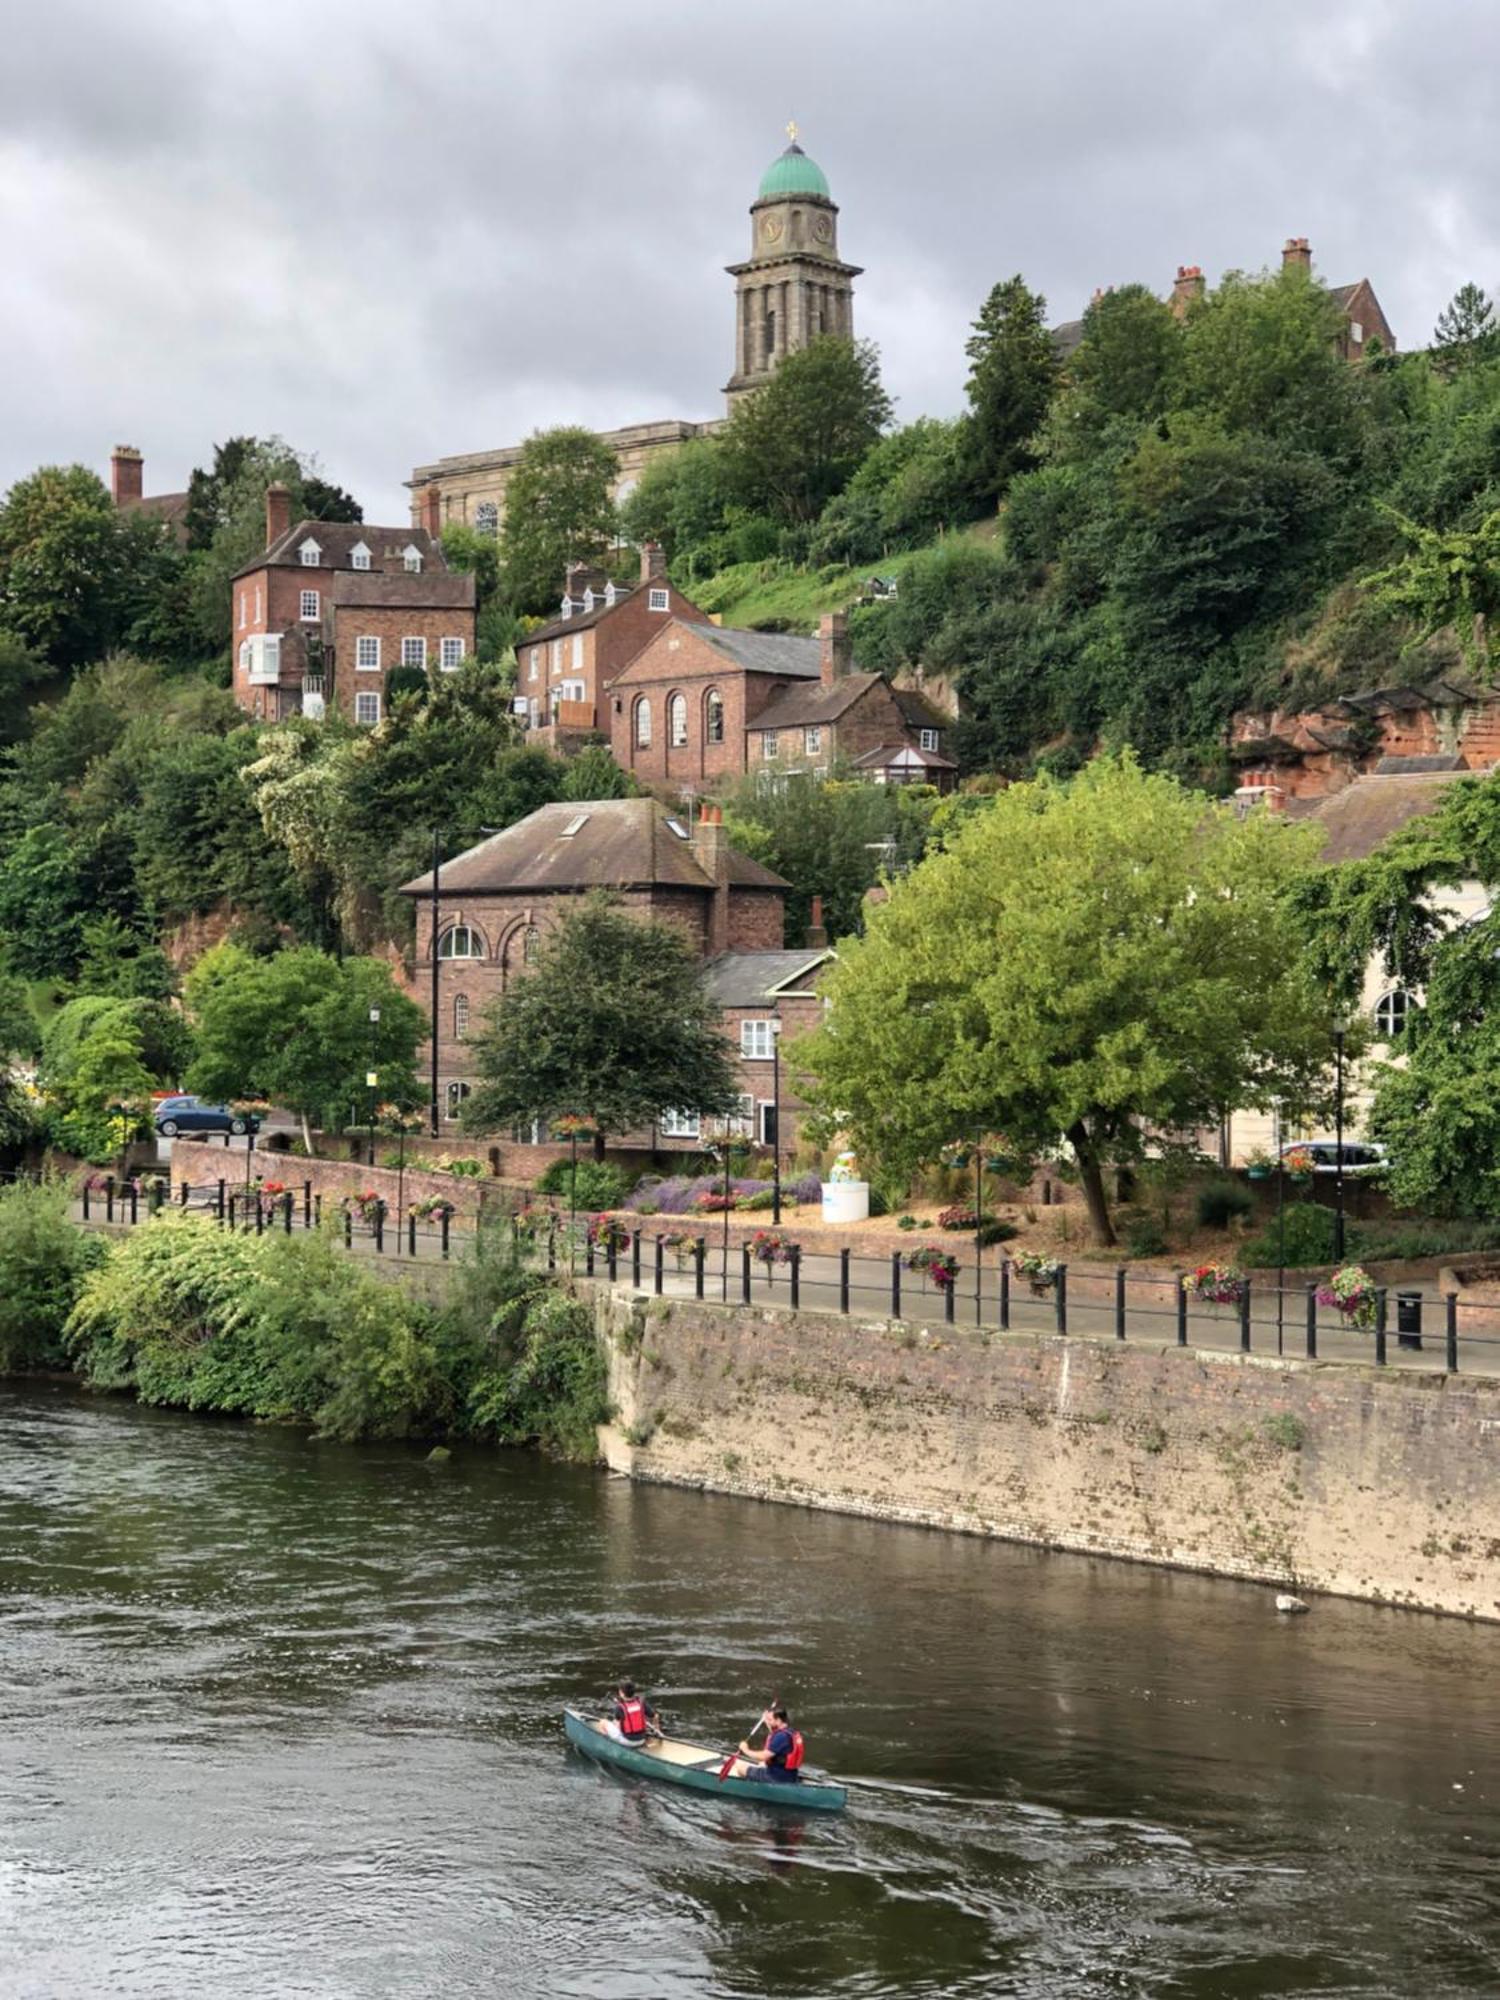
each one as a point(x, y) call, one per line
point(679, 829)
point(575, 826)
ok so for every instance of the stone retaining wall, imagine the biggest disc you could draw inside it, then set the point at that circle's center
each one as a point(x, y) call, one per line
point(1317, 1476)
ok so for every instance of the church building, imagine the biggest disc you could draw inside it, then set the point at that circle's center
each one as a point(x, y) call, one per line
point(791, 288)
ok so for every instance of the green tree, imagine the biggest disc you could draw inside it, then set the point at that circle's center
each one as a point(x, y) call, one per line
point(1125, 366)
point(683, 500)
point(45, 897)
point(1447, 578)
point(908, 490)
point(470, 551)
point(121, 963)
point(44, 1259)
point(594, 774)
point(559, 509)
point(1080, 964)
point(1466, 330)
point(296, 1028)
point(69, 564)
point(830, 837)
point(790, 446)
point(1013, 373)
point(614, 1021)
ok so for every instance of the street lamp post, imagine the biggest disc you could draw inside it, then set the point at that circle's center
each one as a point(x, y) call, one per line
point(437, 858)
point(776, 1118)
point(1340, 1030)
point(373, 1079)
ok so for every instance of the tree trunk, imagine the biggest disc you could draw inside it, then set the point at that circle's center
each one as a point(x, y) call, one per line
point(306, 1133)
point(599, 1146)
point(1091, 1175)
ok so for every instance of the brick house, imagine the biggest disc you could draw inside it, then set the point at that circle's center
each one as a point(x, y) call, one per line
point(497, 900)
point(700, 705)
point(332, 608)
point(561, 667)
point(127, 488)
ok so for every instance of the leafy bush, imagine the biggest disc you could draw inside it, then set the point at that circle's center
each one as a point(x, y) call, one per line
point(809, 1188)
point(681, 1194)
point(907, 1222)
point(1221, 1203)
point(1308, 1237)
point(996, 1230)
point(599, 1185)
point(960, 1216)
point(44, 1260)
point(763, 1198)
point(1144, 1236)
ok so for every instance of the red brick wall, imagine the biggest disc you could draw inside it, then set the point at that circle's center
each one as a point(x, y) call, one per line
point(390, 625)
point(677, 661)
point(606, 647)
point(756, 920)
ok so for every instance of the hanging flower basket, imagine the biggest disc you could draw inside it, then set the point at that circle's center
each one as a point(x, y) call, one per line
point(770, 1247)
point(608, 1232)
point(953, 1159)
point(1039, 1272)
point(1215, 1284)
point(1350, 1291)
point(573, 1125)
point(437, 1207)
point(367, 1208)
point(1299, 1163)
point(939, 1264)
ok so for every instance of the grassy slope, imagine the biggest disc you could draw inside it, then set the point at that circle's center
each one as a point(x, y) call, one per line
point(778, 596)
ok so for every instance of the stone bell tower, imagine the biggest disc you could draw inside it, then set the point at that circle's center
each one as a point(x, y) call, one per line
point(793, 286)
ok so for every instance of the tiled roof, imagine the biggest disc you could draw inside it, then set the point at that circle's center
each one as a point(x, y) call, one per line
point(616, 844)
point(1067, 338)
point(337, 539)
point(433, 590)
point(918, 712)
point(1410, 767)
point(795, 708)
point(1365, 814)
point(753, 978)
point(580, 621)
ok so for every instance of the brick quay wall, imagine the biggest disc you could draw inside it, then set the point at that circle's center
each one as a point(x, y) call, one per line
point(1312, 1476)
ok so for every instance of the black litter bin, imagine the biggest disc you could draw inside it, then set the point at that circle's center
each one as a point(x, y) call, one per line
point(1409, 1319)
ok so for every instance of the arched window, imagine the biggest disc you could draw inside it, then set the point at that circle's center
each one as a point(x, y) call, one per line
point(460, 941)
point(457, 1092)
point(643, 723)
point(486, 517)
point(713, 716)
point(677, 721)
point(460, 1017)
point(1390, 1013)
point(529, 943)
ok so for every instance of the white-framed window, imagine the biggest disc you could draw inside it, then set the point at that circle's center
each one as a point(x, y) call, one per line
point(677, 721)
point(573, 691)
point(757, 1040)
point(658, 600)
point(460, 1017)
point(270, 647)
point(450, 654)
point(310, 553)
point(770, 744)
point(680, 1125)
point(1357, 331)
point(245, 654)
point(1391, 1010)
point(457, 1092)
point(578, 652)
point(411, 557)
point(742, 1120)
point(257, 604)
point(367, 708)
point(413, 652)
point(367, 655)
point(556, 656)
point(643, 723)
point(244, 609)
point(309, 611)
point(766, 1132)
point(812, 739)
point(460, 941)
point(359, 556)
point(487, 517)
point(713, 716)
point(928, 739)
point(533, 663)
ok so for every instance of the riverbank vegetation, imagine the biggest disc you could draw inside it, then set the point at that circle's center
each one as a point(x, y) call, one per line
point(293, 1329)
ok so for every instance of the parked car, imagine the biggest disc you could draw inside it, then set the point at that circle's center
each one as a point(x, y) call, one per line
point(1361, 1156)
point(191, 1114)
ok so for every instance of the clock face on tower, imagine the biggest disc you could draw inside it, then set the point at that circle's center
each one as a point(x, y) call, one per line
point(771, 228)
point(822, 229)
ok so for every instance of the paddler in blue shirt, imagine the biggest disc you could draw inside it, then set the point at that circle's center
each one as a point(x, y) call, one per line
point(780, 1763)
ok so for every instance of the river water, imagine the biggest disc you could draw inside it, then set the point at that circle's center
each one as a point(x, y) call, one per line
point(283, 1721)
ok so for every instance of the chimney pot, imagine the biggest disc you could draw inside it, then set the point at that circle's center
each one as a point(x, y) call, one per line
point(432, 510)
point(1295, 252)
point(126, 475)
point(278, 511)
point(653, 563)
point(817, 931)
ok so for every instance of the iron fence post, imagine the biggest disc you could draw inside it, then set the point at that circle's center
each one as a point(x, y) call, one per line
point(286, 1213)
point(700, 1257)
point(221, 1201)
point(796, 1276)
point(411, 1234)
point(260, 1215)
point(746, 1274)
point(109, 1197)
point(1245, 1317)
point(551, 1243)
point(86, 1180)
point(445, 1224)
point(1005, 1295)
point(1060, 1298)
point(1380, 1326)
point(1181, 1292)
point(612, 1256)
point(1312, 1322)
point(348, 1227)
point(1450, 1328)
point(660, 1261)
point(635, 1259)
point(233, 1222)
point(950, 1299)
point(307, 1204)
point(588, 1258)
point(184, 1189)
point(1119, 1302)
point(317, 1211)
point(844, 1279)
point(895, 1284)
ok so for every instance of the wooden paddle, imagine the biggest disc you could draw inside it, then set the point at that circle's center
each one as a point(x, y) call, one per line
point(733, 1758)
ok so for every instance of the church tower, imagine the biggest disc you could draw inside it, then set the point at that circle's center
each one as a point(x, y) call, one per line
point(793, 287)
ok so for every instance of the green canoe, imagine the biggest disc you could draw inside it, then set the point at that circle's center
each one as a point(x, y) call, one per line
point(695, 1766)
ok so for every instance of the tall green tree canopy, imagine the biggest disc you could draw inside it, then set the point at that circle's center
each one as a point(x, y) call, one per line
point(613, 1022)
point(74, 570)
point(1013, 372)
point(790, 446)
point(1080, 963)
point(559, 509)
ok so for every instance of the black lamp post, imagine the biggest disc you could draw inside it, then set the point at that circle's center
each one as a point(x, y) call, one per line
point(1340, 1030)
point(437, 858)
point(1280, 1221)
point(776, 1118)
point(373, 1079)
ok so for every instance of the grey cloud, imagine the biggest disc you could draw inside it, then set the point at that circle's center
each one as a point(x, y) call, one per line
point(391, 233)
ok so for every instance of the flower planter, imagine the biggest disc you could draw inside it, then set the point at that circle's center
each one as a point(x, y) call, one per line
point(846, 1201)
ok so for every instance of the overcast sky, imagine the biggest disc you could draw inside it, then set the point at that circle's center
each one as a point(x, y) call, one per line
point(390, 232)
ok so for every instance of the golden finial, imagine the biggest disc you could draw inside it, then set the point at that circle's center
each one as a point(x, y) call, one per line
point(791, 130)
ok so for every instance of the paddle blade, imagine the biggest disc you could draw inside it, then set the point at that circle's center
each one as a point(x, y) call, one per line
point(728, 1765)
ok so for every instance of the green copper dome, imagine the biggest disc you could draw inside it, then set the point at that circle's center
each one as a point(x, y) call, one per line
point(793, 173)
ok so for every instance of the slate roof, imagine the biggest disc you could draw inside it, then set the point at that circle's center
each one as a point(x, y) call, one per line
point(795, 708)
point(579, 621)
point(433, 590)
point(620, 844)
point(762, 652)
point(337, 539)
point(1067, 338)
point(1410, 767)
point(1362, 816)
point(751, 978)
point(918, 712)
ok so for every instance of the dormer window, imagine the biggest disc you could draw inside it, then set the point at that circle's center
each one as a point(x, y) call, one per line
point(310, 553)
point(567, 607)
point(359, 556)
point(588, 600)
point(610, 594)
point(658, 600)
point(411, 557)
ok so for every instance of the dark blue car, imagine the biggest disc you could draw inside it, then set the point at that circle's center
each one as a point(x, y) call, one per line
point(191, 1114)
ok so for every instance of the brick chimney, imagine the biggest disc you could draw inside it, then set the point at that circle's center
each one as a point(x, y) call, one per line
point(833, 646)
point(278, 511)
point(653, 563)
point(1187, 289)
point(712, 854)
point(432, 510)
point(1296, 254)
point(127, 475)
point(581, 576)
point(817, 930)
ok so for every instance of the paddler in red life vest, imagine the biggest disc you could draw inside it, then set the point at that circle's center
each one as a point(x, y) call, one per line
point(633, 1719)
point(780, 1763)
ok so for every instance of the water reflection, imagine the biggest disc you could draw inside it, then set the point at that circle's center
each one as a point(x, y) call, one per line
point(284, 1720)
